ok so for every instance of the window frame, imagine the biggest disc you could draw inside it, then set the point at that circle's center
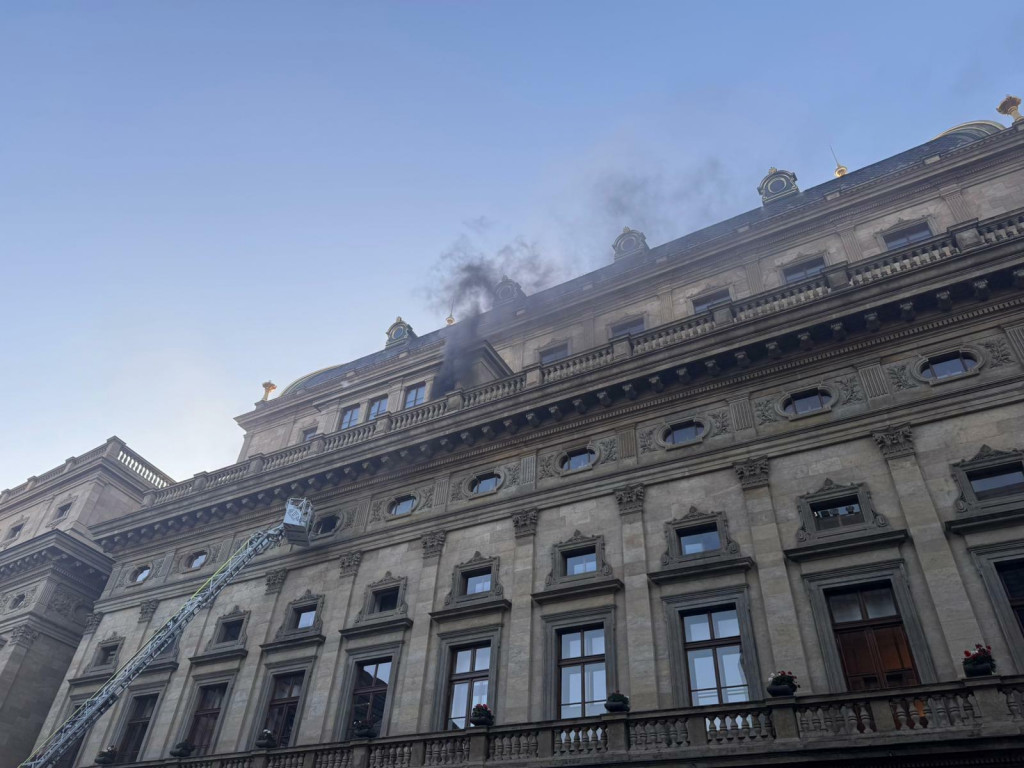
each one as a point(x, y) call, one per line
point(801, 265)
point(905, 226)
point(133, 693)
point(619, 329)
point(676, 606)
point(551, 348)
point(894, 572)
point(987, 559)
point(558, 576)
point(131, 581)
point(410, 390)
point(308, 601)
point(113, 640)
point(674, 557)
point(308, 433)
point(322, 518)
point(820, 389)
point(197, 683)
point(665, 429)
point(710, 306)
point(457, 599)
point(356, 409)
point(66, 507)
point(352, 659)
point(448, 643)
point(923, 361)
point(383, 399)
point(593, 450)
point(873, 526)
point(271, 671)
point(369, 620)
point(391, 515)
point(996, 509)
point(554, 626)
point(236, 614)
point(14, 532)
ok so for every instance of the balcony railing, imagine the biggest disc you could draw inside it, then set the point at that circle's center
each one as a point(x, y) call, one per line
point(885, 265)
point(902, 719)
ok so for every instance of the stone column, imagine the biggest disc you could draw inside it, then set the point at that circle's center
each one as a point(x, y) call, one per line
point(520, 636)
point(783, 627)
point(641, 683)
point(956, 616)
point(414, 665)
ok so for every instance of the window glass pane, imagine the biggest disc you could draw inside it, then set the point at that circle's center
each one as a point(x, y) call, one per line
point(626, 327)
point(908, 235)
point(463, 661)
point(483, 658)
point(726, 623)
point(702, 668)
point(730, 669)
point(1012, 575)
point(595, 679)
point(378, 407)
point(386, 600)
point(999, 481)
point(709, 300)
point(696, 628)
point(479, 692)
point(460, 701)
point(580, 562)
point(696, 540)
point(305, 619)
point(684, 433)
point(577, 460)
point(572, 645)
point(350, 417)
point(845, 607)
point(383, 674)
point(947, 365)
point(879, 603)
point(554, 354)
point(484, 483)
point(477, 583)
point(704, 698)
point(415, 395)
point(593, 642)
point(572, 690)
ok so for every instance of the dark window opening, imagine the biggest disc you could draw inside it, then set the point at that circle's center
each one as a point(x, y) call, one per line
point(685, 432)
point(997, 482)
point(1012, 576)
point(705, 538)
point(806, 402)
point(350, 417)
point(714, 657)
point(415, 395)
point(378, 407)
point(944, 366)
point(554, 354)
point(204, 720)
point(17, 602)
point(284, 706)
point(710, 301)
point(308, 434)
point(803, 270)
point(325, 525)
point(485, 483)
point(141, 573)
point(403, 505)
point(197, 560)
point(15, 531)
point(385, 600)
point(872, 642)
point(476, 582)
point(582, 676)
point(626, 328)
point(468, 684)
point(836, 513)
point(106, 655)
point(907, 236)
point(140, 713)
point(580, 561)
point(230, 631)
point(370, 693)
point(579, 459)
point(62, 511)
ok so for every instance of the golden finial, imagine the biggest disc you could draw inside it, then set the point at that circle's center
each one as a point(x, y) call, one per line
point(1008, 107)
point(398, 319)
point(450, 320)
point(840, 168)
point(268, 387)
point(625, 230)
point(772, 170)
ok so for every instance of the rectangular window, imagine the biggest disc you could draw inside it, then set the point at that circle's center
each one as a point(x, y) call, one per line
point(582, 677)
point(370, 693)
point(1012, 576)
point(836, 513)
point(872, 643)
point(993, 483)
point(580, 561)
point(204, 720)
point(385, 600)
point(626, 327)
point(476, 582)
point(714, 656)
point(710, 300)
point(62, 511)
point(554, 354)
point(106, 655)
point(140, 713)
point(350, 417)
point(907, 236)
point(705, 538)
point(378, 407)
point(415, 395)
point(15, 531)
point(230, 631)
point(803, 270)
point(308, 434)
point(284, 706)
point(303, 618)
point(468, 684)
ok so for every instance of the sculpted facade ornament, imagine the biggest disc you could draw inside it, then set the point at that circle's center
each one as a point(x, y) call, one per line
point(849, 390)
point(900, 377)
point(525, 523)
point(630, 498)
point(765, 411)
point(275, 581)
point(896, 441)
point(146, 610)
point(752, 473)
point(24, 636)
point(349, 563)
point(92, 622)
point(62, 602)
point(433, 543)
point(998, 352)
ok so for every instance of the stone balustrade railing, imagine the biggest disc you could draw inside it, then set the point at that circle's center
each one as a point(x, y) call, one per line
point(143, 468)
point(979, 708)
point(679, 331)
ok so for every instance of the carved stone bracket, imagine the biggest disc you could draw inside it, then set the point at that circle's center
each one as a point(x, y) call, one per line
point(146, 610)
point(895, 441)
point(24, 636)
point(752, 473)
point(525, 523)
point(275, 581)
point(349, 562)
point(433, 543)
point(630, 498)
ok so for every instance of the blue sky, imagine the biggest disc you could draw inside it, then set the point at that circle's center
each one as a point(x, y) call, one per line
point(196, 196)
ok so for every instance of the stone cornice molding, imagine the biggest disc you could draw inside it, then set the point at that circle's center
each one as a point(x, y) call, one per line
point(61, 552)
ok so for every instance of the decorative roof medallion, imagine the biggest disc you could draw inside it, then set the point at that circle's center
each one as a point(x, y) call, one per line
point(630, 243)
point(399, 333)
point(776, 185)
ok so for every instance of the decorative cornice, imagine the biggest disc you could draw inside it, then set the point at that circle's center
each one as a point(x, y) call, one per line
point(630, 498)
point(895, 442)
point(752, 473)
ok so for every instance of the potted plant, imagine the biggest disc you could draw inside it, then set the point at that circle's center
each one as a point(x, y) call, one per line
point(979, 662)
point(266, 740)
point(182, 749)
point(106, 756)
point(481, 715)
point(782, 684)
point(617, 702)
point(363, 729)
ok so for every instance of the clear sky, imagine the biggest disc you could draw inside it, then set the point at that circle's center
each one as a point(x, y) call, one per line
point(198, 196)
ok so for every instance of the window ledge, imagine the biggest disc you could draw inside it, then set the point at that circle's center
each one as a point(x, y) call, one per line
point(471, 609)
point(370, 626)
point(977, 518)
point(296, 641)
point(698, 568)
point(577, 589)
point(220, 654)
point(851, 542)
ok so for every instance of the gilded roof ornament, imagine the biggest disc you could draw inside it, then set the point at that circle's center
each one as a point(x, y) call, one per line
point(1009, 107)
point(268, 387)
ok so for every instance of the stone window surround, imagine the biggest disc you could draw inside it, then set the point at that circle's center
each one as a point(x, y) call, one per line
point(128, 698)
point(448, 642)
point(183, 563)
point(553, 625)
point(299, 430)
point(370, 403)
point(129, 581)
point(789, 392)
point(892, 572)
point(305, 602)
point(880, 234)
point(113, 639)
point(66, 501)
point(808, 532)
point(337, 526)
point(801, 261)
point(695, 519)
point(986, 458)
point(233, 615)
point(558, 577)
point(663, 428)
point(456, 598)
point(626, 320)
point(353, 657)
point(272, 669)
point(417, 496)
point(676, 605)
point(341, 416)
point(553, 345)
point(922, 360)
point(467, 482)
point(986, 559)
point(201, 681)
point(592, 445)
point(367, 615)
point(703, 295)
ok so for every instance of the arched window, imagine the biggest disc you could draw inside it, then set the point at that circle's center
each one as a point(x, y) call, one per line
point(403, 505)
point(808, 401)
point(325, 525)
point(683, 432)
point(950, 364)
point(485, 483)
point(581, 458)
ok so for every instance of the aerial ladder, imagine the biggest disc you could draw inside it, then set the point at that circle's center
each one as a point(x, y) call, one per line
point(295, 527)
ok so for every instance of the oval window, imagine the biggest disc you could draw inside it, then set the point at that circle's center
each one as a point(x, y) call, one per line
point(808, 401)
point(403, 505)
point(485, 483)
point(325, 525)
point(950, 364)
point(17, 602)
point(578, 459)
point(140, 574)
point(196, 560)
point(683, 432)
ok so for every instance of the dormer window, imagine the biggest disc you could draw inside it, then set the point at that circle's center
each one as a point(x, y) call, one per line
point(578, 459)
point(416, 395)
point(684, 432)
point(710, 300)
point(950, 364)
point(486, 483)
point(378, 407)
point(803, 270)
point(403, 505)
point(350, 417)
point(308, 434)
point(626, 328)
point(808, 401)
point(907, 236)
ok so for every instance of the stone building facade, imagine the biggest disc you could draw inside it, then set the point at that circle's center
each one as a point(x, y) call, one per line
point(790, 441)
point(51, 574)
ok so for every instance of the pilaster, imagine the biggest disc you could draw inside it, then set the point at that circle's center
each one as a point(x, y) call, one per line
point(520, 636)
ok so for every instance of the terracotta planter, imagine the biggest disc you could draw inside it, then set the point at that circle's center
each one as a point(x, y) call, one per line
point(616, 705)
point(782, 689)
point(978, 668)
